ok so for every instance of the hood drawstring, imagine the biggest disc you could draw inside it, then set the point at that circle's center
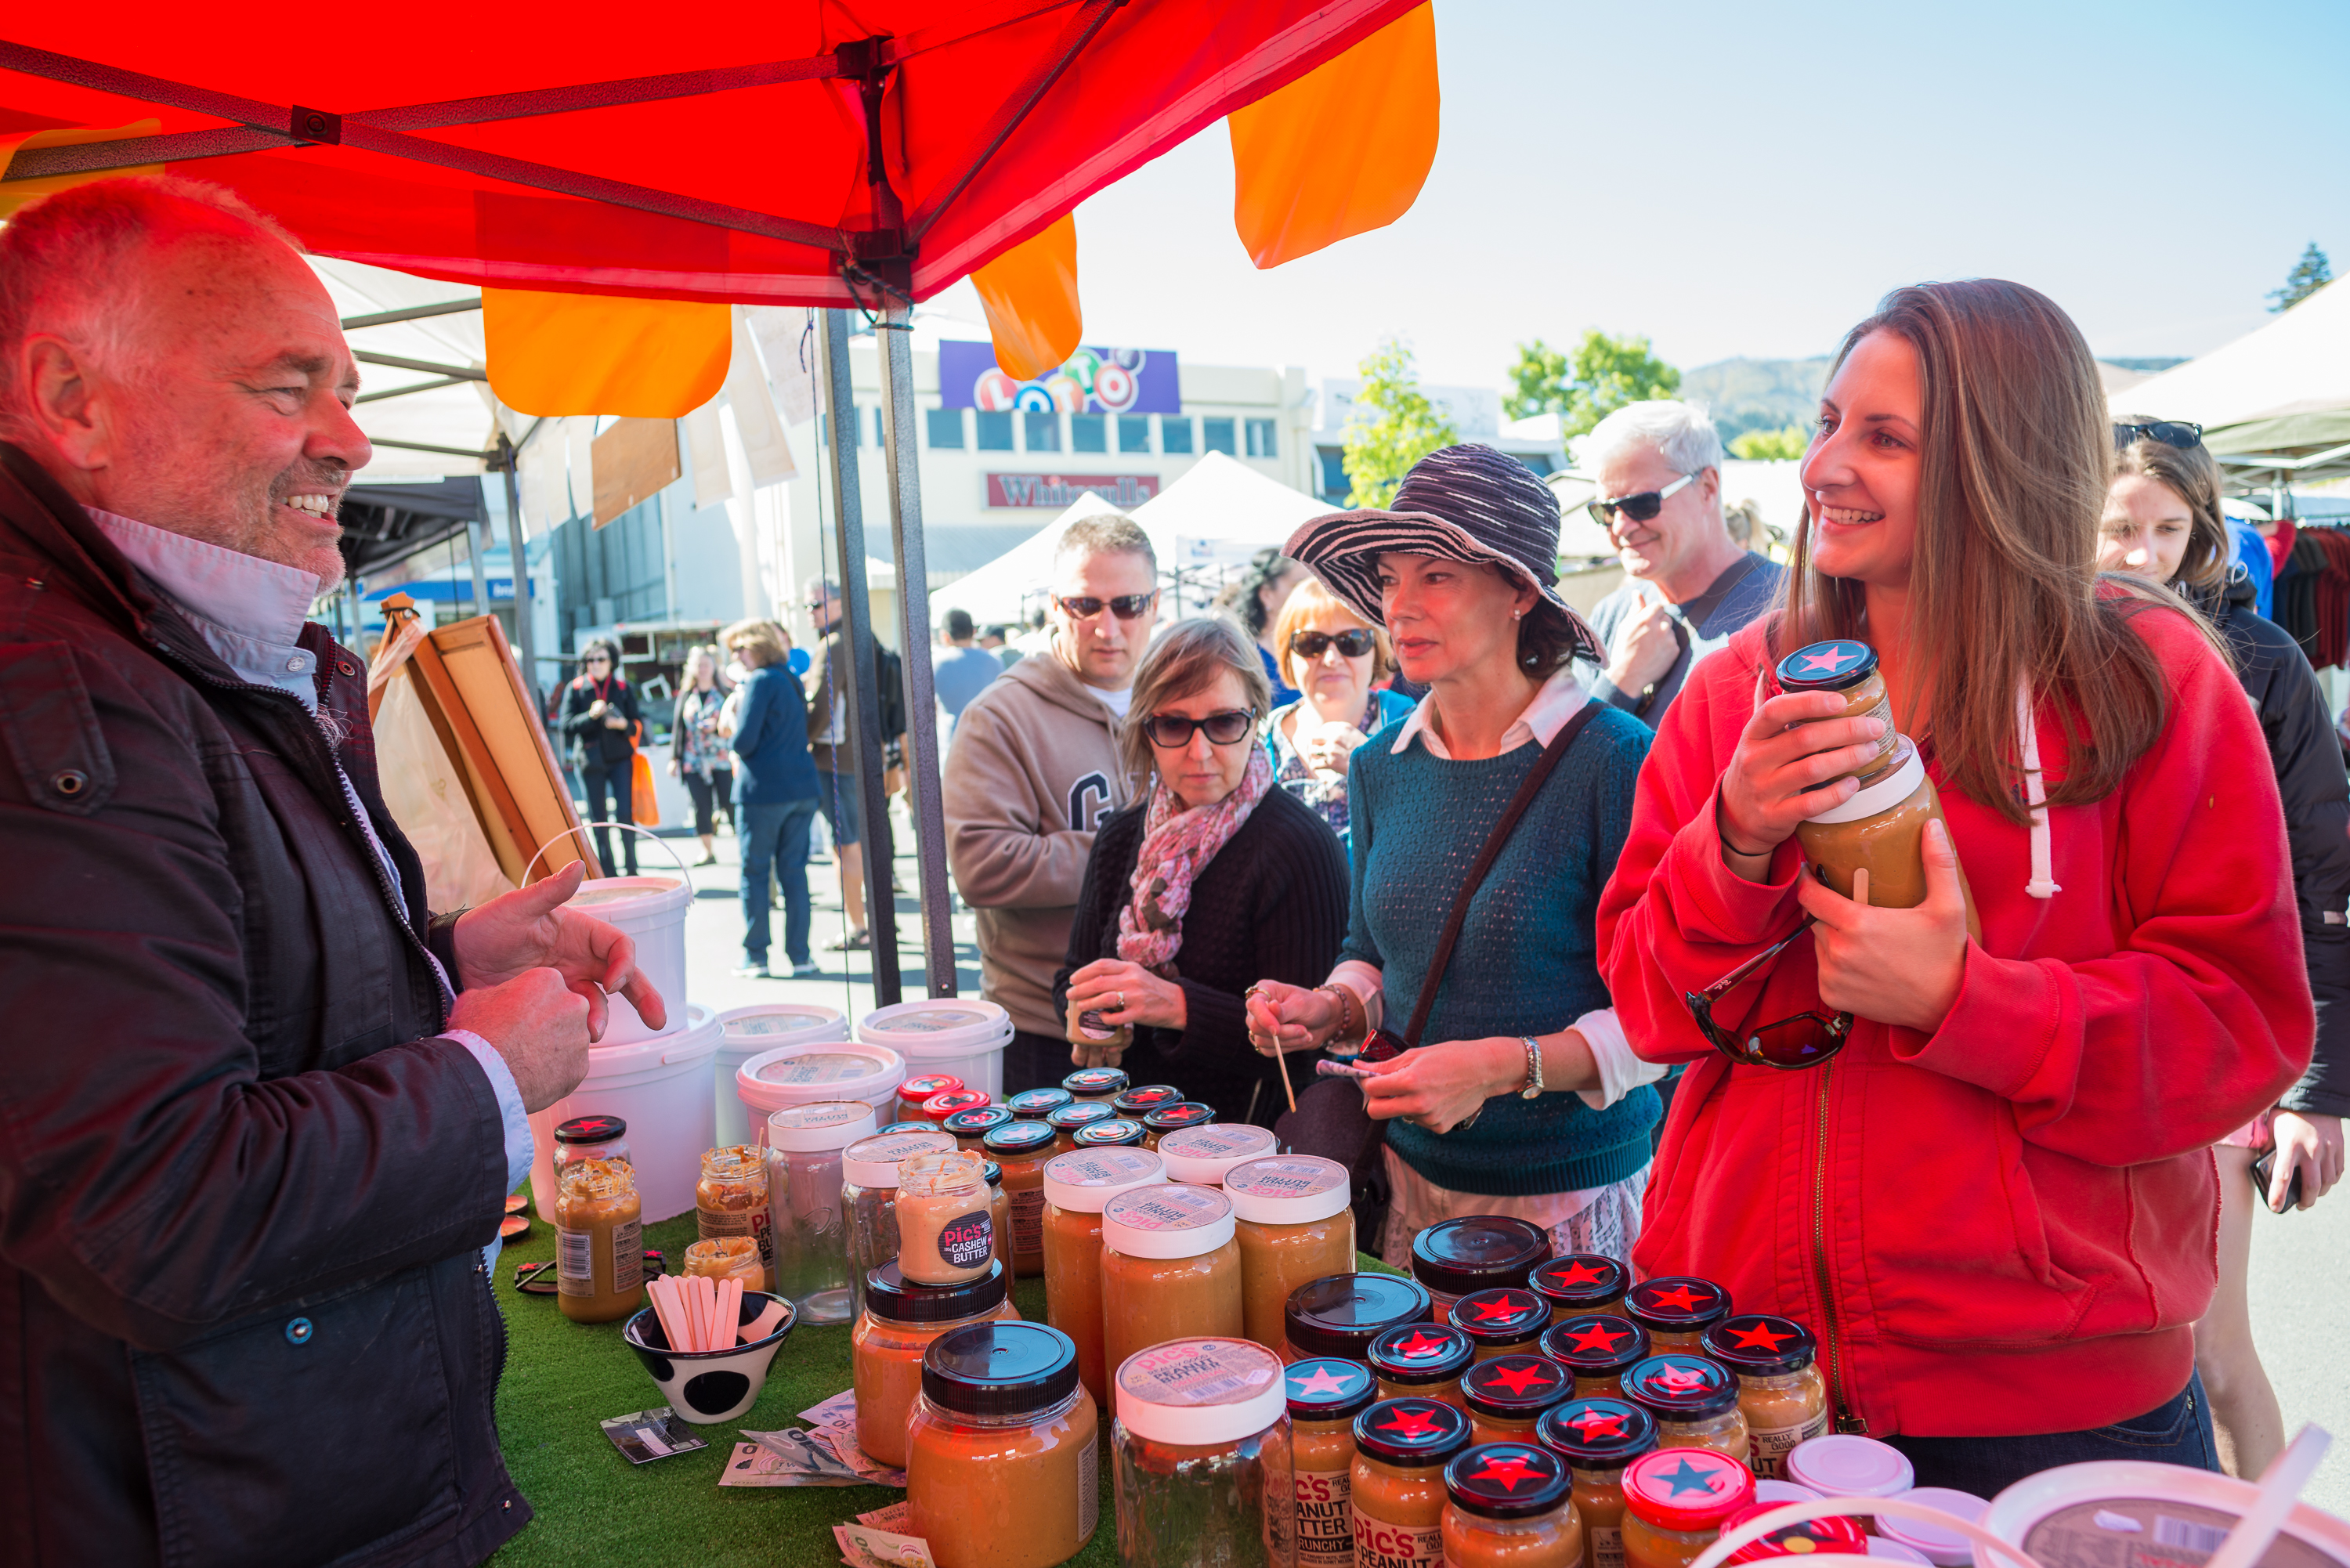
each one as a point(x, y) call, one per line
point(2036, 795)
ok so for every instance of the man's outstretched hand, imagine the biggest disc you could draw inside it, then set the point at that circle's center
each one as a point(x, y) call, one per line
point(530, 929)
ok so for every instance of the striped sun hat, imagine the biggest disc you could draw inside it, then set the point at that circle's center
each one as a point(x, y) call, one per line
point(1466, 502)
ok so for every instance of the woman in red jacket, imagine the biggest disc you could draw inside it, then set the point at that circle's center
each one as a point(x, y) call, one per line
point(1995, 1203)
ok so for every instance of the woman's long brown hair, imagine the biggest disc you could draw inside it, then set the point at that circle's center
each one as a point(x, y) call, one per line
point(2016, 451)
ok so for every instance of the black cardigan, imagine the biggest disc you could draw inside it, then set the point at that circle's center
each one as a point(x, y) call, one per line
point(1271, 905)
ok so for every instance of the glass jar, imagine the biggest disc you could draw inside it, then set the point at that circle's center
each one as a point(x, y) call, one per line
point(589, 1137)
point(1597, 1437)
point(1340, 1314)
point(1087, 1028)
point(939, 1108)
point(1694, 1402)
point(1095, 1085)
point(1675, 1501)
point(1508, 1505)
point(1202, 1451)
point(1201, 1156)
point(1883, 829)
point(868, 1196)
point(972, 1125)
point(998, 1214)
point(1834, 1534)
point(1169, 1268)
point(1475, 1253)
point(914, 1091)
point(1780, 1390)
point(600, 1242)
point(1421, 1361)
point(1326, 1395)
point(806, 1226)
point(1503, 1321)
point(1020, 1149)
point(1579, 1284)
point(1115, 1132)
point(1598, 1349)
point(1036, 1105)
point(1134, 1104)
point(1069, 1118)
point(1401, 1446)
point(1677, 1309)
point(946, 1225)
point(727, 1258)
point(1845, 1464)
point(885, 1348)
point(1506, 1396)
point(1003, 1458)
point(1077, 1187)
point(1297, 1223)
point(1158, 1124)
point(1848, 669)
point(731, 1199)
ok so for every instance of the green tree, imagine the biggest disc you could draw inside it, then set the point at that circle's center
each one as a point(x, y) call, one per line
point(1601, 375)
point(1765, 446)
point(2310, 273)
point(1394, 425)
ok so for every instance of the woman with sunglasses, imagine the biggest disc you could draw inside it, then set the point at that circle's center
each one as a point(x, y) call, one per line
point(1985, 1186)
point(1211, 879)
point(1335, 662)
point(600, 717)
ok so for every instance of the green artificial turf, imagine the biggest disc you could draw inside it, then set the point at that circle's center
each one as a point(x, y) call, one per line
point(592, 1505)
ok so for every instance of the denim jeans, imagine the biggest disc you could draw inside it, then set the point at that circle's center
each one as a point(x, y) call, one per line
point(611, 797)
point(775, 836)
point(2176, 1432)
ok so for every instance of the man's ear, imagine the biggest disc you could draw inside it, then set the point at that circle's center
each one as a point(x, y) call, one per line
point(64, 407)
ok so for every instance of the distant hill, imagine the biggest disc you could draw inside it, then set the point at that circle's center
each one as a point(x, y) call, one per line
point(1771, 394)
point(2146, 366)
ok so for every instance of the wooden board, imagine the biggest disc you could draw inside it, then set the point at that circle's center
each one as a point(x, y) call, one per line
point(632, 462)
point(511, 759)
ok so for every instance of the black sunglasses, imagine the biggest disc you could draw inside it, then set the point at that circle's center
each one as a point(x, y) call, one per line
point(1227, 728)
point(2169, 432)
point(1353, 644)
point(1126, 606)
point(1639, 508)
point(1807, 1040)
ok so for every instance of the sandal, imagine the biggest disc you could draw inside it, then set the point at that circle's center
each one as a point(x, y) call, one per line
point(853, 943)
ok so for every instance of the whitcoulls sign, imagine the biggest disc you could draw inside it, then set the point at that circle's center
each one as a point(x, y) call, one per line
point(1093, 381)
point(1123, 491)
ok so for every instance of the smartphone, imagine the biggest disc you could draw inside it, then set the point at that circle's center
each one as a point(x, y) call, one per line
point(2264, 1171)
point(1327, 1068)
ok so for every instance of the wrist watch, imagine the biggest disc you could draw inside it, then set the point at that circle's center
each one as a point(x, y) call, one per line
point(1533, 1069)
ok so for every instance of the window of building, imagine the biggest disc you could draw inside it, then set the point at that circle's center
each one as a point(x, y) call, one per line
point(1044, 432)
point(1262, 440)
point(1089, 433)
point(1539, 462)
point(1174, 434)
point(1134, 433)
point(995, 431)
point(1335, 488)
point(880, 439)
point(1216, 435)
point(946, 429)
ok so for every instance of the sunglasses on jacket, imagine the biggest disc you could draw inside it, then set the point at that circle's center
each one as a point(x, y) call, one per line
point(1126, 606)
point(1805, 1040)
point(1639, 508)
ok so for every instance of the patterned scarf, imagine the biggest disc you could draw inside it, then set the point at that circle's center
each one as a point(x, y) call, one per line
point(1176, 845)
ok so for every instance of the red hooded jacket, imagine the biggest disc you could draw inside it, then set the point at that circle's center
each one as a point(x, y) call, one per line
point(2006, 1226)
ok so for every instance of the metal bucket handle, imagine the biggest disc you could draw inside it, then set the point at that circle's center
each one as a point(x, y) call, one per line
point(659, 842)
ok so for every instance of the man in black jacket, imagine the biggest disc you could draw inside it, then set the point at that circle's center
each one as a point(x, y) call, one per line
point(262, 1108)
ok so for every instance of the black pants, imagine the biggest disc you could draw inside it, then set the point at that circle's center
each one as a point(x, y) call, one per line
point(712, 797)
point(611, 798)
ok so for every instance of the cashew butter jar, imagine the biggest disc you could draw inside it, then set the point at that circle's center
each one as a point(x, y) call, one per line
point(1078, 1187)
point(1003, 1458)
point(1069, 1120)
point(1202, 1451)
point(1097, 1085)
point(1297, 1223)
point(1169, 1268)
point(868, 1197)
point(1157, 1124)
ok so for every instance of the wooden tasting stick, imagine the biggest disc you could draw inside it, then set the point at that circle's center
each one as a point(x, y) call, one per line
point(1280, 1058)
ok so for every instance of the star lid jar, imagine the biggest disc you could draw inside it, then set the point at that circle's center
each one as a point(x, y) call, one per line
point(1422, 1361)
point(1326, 1395)
point(1675, 1502)
point(1677, 1309)
point(1164, 1119)
point(1848, 669)
point(1021, 1150)
point(1504, 1322)
point(1340, 1314)
point(1780, 1390)
point(1401, 1446)
point(913, 1092)
point(1114, 1132)
point(1597, 1437)
point(971, 1124)
point(1070, 1119)
point(939, 1108)
point(1475, 1253)
point(1507, 1395)
point(1132, 1104)
point(1804, 1538)
point(1580, 1282)
point(1509, 1508)
point(1103, 1084)
point(1036, 1105)
point(1695, 1402)
point(1599, 1348)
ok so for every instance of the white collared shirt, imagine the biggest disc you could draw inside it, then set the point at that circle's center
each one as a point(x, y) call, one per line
point(1554, 702)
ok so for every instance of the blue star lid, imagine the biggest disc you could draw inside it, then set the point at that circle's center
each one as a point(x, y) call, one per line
point(1329, 1388)
point(1829, 666)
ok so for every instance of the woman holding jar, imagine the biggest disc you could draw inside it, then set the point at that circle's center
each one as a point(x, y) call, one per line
point(1520, 1041)
point(1211, 879)
point(1974, 1168)
point(696, 751)
point(1336, 661)
point(2162, 524)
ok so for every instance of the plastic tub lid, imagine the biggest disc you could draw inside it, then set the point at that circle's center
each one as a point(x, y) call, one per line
point(1506, 1480)
point(616, 898)
point(1477, 1250)
point(1162, 1219)
point(1201, 1156)
point(776, 1023)
point(1083, 1180)
point(1597, 1344)
point(1772, 1489)
point(1329, 1388)
point(1844, 1464)
point(1201, 1391)
point(818, 1125)
point(1000, 1368)
point(1597, 1434)
point(1288, 1189)
point(1686, 1488)
point(1891, 1550)
point(1935, 1544)
point(1802, 1539)
point(874, 1161)
point(858, 1071)
point(936, 1025)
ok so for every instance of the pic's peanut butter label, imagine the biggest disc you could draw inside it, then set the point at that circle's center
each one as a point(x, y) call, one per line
point(1768, 1447)
point(1325, 1519)
point(966, 1240)
point(1286, 1176)
point(1102, 1167)
point(1380, 1544)
point(1197, 1372)
point(1216, 1142)
point(1605, 1544)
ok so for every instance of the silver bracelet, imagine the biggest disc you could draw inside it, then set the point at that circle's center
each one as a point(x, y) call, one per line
point(1533, 1069)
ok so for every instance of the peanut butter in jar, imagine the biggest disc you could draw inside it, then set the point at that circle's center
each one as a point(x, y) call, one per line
point(1693, 1401)
point(897, 1324)
point(1848, 669)
point(1882, 830)
point(726, 1258)
point(1422, 1361)
point(1508, 1504)
point(1401, 1446)
point(1598, 1437)
point(731, 1199)
point(1020, 1149)
point(1171, 1269)
point(1780, 1392)
point(1506, 1396)
point(1295, 1223)
point(1598, 1348)
point(1078, 1187)
point(1326, 1394)
point(600, 1243)
point(1676, 1501)
point(1002, 1461)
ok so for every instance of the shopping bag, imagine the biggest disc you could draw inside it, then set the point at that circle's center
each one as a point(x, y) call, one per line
point(644, 809)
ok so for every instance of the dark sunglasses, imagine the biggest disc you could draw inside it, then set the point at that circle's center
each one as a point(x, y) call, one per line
point(1639, 508)
point(1126, 606)
point(1807, 1040)
point(2169, 432)
point(1353, 644)
point(1227, 728)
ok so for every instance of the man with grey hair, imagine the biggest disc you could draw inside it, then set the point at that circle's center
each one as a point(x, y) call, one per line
point(1034, 768)
point(1691, 585)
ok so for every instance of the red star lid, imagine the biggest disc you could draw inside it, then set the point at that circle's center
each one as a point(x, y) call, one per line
point(1477, 1252)
point(1597, 1434)
point(1756, 1344)
point(1597, 1344)
point(1686, 1488)
point(1507, 1480)
point(977, 1121)
point(914, 1091)
point(1418, 1434)
point(1506, 1317)
point(1677, 1303)
point(1579, 1282)
point(1829, 666)
point(1681, 1387)
point(1340, 1314)
point(1836, 1533)
point(591, 1129)
point(939, 1106)
point(1421, 1353)
point(1329, 1388)
point(1516, 1388)
point(1146, 1096)
point(1181, 1113)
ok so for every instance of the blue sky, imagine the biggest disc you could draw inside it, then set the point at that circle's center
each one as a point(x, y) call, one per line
point(1749, 179)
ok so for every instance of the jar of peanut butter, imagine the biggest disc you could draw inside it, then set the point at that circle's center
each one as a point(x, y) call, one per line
point(1020, 1149)
point(1421, 1361)
point(1597, 1437)
point(1138, 1102)
point(946, 1224)
point(1598, 1349)
point(1508, 1505)
point(1202, 1451)
point(1297, 1223)
point(885, 1348)
point(731, 1199)
point(1169, 1268)
point(1675, 1310)
point(1078, 1187)
point(1883, 829)
point(600, 1242)
point(1036, 1105)
point(1503, 1321)
point(589, 1137)
point(1401, 1446)
point(998, 1214)
point(1694, 1402)
point(1097, 1085)
point(914, 1091)
point(868, 1197)
point(1849, 669)
point(727, 1258)
point(807, 1227)
point(1115, 1133)
point(1003, 1458)
point(1201, 1156)
point(1580, 1282)
point(1326, 1395)
point(939, 1108)
point(1340, 1315)
point(1780, 1390)
point(1506, 1396)
point(1087, 1028)
point(1476, 1253)
point(1675, 1502)
point(1073, 1117)
point(972, 1125)
point(1158, 1124)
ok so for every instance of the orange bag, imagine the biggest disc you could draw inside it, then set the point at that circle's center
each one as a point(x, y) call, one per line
point(644, 808)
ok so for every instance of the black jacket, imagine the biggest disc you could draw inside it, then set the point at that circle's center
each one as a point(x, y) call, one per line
point(1271, 905)
point(596, 747)
point(243, 1318)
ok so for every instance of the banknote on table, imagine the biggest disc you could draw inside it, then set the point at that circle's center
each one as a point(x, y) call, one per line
point(867, 1547)
point(798, 1455)
point(898, 1516)
point(842, 1441)
point(753, 1465)
point(840, 1410)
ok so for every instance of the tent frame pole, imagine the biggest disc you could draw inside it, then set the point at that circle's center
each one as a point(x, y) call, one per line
point(525, 634)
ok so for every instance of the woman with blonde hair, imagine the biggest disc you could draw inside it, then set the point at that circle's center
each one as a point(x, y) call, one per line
point(775, 793)
point(1335, 662)
point(697, 752)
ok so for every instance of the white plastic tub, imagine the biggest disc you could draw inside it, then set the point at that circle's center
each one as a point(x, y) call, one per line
point(962, 1035)
point(652, 910)
point(661, 1087)
point(829, 1070)
point(748, 1031)
point(2115, 1511)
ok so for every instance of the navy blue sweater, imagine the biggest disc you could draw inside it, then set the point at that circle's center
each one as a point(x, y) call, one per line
point(771, 741)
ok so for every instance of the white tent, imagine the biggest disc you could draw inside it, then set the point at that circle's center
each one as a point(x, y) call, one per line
point(2277, 399)
point(455, 420)
point(998, 592)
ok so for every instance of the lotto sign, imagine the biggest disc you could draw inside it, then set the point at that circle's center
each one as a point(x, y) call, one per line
point(1093, 381)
